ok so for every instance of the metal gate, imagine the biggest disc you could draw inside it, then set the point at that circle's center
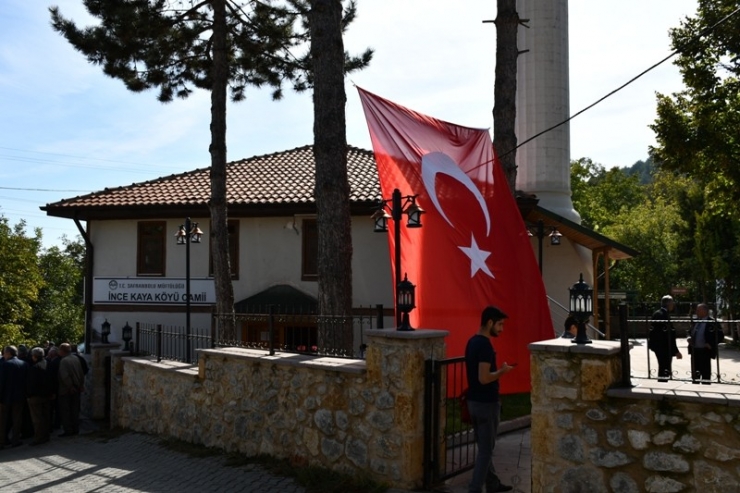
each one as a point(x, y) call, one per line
point(449, 444)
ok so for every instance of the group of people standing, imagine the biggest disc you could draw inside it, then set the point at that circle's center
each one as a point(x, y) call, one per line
point(39, 391)
point(703, 340)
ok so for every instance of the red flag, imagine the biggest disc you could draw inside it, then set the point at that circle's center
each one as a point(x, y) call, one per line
point(473, 249)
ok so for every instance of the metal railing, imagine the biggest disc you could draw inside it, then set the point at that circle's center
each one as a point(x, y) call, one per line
point(649, 358)
point(169, 342)
point(275, 328)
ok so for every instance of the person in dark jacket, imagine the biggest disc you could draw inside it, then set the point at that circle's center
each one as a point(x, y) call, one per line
point(70, 384)
point(483, 376)
point(26, 426)
point(570, 327)
point(662, 339)
point(52, 366)
point(704, 337)
point(12, 395)
point(38, 390)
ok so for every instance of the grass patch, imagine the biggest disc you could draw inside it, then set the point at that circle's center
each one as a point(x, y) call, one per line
point(515, 406)
point(512, 406)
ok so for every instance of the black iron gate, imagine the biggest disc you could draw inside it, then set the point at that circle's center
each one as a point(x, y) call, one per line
point(449, 444)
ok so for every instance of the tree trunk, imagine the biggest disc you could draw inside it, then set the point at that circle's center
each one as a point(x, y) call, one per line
point(332, 187)
point(219, 224)
point(504, 94)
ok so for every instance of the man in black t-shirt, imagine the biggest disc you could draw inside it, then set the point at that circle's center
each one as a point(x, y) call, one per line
point(483, 398)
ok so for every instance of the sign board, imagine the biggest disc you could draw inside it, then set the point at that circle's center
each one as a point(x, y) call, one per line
point(676, 290)
point(152, 291)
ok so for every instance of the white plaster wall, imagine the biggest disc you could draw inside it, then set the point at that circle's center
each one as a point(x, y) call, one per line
point(115, 244)
point(561, 266)
point(270, 253)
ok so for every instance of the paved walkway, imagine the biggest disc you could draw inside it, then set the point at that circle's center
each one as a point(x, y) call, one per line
point(134, 462)
point(127, 463)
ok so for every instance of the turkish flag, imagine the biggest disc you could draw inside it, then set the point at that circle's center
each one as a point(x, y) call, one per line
point(473, 249)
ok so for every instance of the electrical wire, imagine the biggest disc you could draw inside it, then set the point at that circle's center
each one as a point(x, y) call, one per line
point(674, 53)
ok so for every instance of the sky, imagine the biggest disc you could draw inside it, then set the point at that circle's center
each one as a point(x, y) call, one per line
point(66, 129)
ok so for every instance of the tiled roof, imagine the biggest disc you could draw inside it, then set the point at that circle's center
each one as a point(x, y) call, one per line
point(282, 178)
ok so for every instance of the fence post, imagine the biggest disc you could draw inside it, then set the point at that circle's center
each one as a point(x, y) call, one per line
point(379, 308)
point(625, 345)
point(136, 342)
point(159, 343)
point(271, 316)
point(214, 321)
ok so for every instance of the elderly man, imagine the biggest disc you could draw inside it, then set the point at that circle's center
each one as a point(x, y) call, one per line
point(703, 339)
point(71, 382)
point(662, 339)
point(12, 394)
point(39, 391)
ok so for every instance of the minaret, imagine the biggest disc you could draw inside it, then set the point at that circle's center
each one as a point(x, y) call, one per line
point(543, 102)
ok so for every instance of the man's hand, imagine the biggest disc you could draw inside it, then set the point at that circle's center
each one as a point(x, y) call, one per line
point(506, 368)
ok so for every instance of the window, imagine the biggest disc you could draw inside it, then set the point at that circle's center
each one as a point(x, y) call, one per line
point(310, 254)
point(233, 226)
point(150, 256)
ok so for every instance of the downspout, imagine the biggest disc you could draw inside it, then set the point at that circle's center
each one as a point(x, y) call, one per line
point(89, 259)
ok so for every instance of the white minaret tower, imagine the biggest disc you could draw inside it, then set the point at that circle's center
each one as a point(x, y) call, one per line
point(543, 102)
point(544, 163)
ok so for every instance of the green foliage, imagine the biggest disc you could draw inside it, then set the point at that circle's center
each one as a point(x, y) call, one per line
point(650, 227)
point(58, 314)
point(600, 195)
point(697, 132)
point(643, 170)
point(20, 280)
point(168, 45)
point(40, 290)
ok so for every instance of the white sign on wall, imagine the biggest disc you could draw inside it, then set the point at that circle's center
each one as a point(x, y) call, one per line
point(152, 291)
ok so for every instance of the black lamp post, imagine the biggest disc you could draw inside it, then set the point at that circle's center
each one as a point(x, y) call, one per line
point(406, 301)
point(581, 307)
point(539, 232)
point(187, 234)
point(399, 205)
point(105, 331)
point(127, 334)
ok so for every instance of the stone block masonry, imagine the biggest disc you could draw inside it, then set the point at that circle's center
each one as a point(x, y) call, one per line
point(590, 435)
point(347, 415)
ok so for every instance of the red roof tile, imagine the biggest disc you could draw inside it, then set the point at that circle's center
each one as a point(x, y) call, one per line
point(280, 179)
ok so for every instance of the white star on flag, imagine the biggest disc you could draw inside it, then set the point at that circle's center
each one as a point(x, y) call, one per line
point(477, 258)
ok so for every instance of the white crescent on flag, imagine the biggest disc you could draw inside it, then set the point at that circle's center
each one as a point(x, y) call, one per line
point(435, 163)
point(438, 162)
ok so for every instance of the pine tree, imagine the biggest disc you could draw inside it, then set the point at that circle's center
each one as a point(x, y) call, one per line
point(177, 46)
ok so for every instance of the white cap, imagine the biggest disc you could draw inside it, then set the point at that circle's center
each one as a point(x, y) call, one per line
point(665, 298)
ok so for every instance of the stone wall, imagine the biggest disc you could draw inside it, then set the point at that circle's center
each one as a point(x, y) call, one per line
point(590, 435)
point(347, 415)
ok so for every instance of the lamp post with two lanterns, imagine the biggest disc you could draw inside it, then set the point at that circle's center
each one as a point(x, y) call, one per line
point(187, 234)
point(399, 205)
point(539, 232)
